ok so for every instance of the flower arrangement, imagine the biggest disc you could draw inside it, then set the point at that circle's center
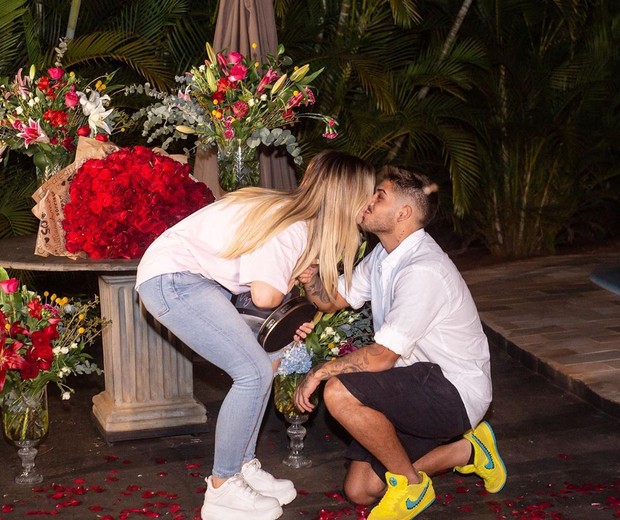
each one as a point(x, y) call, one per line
point(334, 335)
point(121, 203)
point(43, 339)
point(43, 115)
point(230, 98)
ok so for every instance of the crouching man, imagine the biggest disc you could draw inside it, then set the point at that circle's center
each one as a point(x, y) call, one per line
point(413, 401)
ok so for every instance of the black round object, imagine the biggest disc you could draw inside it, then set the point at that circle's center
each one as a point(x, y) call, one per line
point(279, 327)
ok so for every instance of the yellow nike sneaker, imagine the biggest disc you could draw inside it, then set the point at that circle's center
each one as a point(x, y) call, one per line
point(403, 501)
point(487, 463)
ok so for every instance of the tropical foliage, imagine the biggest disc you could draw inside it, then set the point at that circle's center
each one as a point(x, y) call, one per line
point(514, 112)
point(549, 123)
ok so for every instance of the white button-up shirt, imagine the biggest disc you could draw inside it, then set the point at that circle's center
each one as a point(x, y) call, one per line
point(423, 311)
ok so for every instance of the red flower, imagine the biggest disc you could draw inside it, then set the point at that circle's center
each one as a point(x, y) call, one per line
point(120, 204)
point(238, 73)
point(9, 358)
point(43, 84)
point(83, 131)
point(240, 109)
point(35, 308)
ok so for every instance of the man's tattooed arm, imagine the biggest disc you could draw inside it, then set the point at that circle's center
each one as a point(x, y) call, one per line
point(316, 290)
point(372, 358)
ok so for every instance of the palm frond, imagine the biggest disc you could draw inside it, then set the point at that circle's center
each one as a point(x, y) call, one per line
point(16, 217)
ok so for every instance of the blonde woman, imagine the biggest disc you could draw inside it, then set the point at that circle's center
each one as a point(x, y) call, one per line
point(254, 240)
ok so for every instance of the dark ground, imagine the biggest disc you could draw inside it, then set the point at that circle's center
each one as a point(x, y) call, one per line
point(562, 458)
point(562, 455)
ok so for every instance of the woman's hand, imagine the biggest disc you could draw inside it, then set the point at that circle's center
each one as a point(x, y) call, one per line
point(311, 272)
point(302, 332)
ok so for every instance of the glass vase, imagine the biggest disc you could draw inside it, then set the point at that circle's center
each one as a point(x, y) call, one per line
point(284, 399)
point(46, 171)
point(25, 421)
point(49, 160)
point(238, 164)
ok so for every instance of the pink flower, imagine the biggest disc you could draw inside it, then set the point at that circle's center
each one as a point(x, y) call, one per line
point(307, 97)
point(234, 58)
point(330, 135)
point(33, 133)
point(240, 109)
point(269, 77)
point(229, 133)
point(238, 73)
point(71, 99)
point(222, 62)
point(56, 72)
point(9, 286)
point(184, 94)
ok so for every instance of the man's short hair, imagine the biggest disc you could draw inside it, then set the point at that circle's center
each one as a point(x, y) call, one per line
point(416, 187)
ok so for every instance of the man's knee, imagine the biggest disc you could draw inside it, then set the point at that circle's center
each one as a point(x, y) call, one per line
point(335, 395)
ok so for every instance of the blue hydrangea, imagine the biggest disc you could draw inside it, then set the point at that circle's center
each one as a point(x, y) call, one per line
point(295, 360)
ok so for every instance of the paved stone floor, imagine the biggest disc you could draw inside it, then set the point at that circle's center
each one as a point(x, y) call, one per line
point(554, 414)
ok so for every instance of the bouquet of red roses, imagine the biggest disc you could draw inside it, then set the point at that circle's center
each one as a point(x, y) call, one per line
point(121, 203)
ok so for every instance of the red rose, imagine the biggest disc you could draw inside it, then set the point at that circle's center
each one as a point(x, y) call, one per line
point(238, 73)
point(102, 137)
point(121, 203)
point(83, 131)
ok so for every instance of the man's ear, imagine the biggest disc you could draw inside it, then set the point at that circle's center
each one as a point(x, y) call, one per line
point(404, 213)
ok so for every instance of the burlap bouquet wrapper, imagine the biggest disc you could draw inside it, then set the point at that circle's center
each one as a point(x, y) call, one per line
point(52, 196)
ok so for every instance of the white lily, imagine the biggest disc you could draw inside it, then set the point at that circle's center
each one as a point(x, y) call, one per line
point(93, 107)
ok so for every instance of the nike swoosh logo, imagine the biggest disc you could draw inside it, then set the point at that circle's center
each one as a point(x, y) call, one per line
point(490, 464)
point(411, 504)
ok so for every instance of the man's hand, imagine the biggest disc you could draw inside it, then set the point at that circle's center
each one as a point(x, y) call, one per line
point(304, 391)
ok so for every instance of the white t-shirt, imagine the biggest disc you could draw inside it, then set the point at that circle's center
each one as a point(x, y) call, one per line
point(423, 310)
point(193, 244)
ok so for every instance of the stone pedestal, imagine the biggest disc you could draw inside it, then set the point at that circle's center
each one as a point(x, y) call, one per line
point(148, 374)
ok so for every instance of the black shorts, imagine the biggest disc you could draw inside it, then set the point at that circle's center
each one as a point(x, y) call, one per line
point(424, 407)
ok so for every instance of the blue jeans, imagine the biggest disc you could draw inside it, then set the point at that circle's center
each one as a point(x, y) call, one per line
point(198, 311)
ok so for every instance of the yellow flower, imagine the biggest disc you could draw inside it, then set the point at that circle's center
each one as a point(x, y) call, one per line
point(215, 101)
point(46, 294)
point(53, 297)
point(217, 114)
point(72, 74)
point(100, 85)
point(254, 45)
point(81, 317)
point(81, 330)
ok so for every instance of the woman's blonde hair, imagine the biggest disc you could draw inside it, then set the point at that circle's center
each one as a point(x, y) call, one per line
point(334, 189)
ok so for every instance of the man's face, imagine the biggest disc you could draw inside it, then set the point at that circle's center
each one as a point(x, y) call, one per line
point(380, 215)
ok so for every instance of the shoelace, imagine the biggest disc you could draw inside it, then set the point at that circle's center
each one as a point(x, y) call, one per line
point(240, 482)
point(254, 470)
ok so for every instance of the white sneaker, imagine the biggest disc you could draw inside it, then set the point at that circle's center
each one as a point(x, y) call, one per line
point(236, 500)
point(266, 484)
